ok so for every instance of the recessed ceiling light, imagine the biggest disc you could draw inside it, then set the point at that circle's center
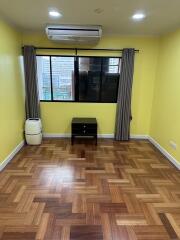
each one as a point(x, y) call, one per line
point(55, 14)
point(138, 16)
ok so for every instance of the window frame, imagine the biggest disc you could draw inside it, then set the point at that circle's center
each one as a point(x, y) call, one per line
point(76, 80)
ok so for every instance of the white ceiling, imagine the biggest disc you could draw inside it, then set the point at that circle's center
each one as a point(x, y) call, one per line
point(162, 15)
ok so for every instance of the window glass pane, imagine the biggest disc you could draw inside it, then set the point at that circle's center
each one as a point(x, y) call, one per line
point(109, 87)
point(44, 82)
point(113, 61)
point(111, 65)
point(63, 78)
point(113, 69)
point(110, 79)
point(89, 79)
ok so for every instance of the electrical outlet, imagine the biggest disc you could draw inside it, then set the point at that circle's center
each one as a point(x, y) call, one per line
point(173, 145)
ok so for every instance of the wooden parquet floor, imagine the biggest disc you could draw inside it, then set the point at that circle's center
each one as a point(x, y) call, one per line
point(115, 191)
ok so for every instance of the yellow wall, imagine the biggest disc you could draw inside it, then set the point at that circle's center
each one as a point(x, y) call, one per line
point(11, 91)
point(56, 117)
point(165, 125)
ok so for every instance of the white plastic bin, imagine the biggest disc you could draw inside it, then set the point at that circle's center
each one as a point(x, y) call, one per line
point(33, 131)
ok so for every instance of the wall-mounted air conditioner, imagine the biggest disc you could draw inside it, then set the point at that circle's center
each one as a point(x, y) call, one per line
point(73, 34)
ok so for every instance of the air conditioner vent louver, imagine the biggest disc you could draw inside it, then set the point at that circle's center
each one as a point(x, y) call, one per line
point(74, 34)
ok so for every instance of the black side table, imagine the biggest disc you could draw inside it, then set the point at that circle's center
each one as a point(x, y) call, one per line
point(83, 127)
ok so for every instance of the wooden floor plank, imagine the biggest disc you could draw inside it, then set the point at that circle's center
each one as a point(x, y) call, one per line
point(115, 190)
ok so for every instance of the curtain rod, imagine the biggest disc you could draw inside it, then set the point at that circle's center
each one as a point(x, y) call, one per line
point(79, 49)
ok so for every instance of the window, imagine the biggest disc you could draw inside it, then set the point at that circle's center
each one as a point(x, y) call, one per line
point(98, 79)
point(110, 79)
point(89, 77)
point(63, 78)
point(56, 78)
point(114, 65)
point(79, 79)
point(44, 80)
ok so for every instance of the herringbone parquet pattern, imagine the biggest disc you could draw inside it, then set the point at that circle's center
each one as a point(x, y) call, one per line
point(115, 191)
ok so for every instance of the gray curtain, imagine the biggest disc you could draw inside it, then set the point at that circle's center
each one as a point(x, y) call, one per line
point(123, 110)
point(31, 83)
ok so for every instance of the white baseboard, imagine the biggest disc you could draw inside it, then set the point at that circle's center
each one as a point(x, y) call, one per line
point(11, 155)
point(68, 135)
point(107, 135)
point(139, 137)
point(165, 152)
point(56, 135)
